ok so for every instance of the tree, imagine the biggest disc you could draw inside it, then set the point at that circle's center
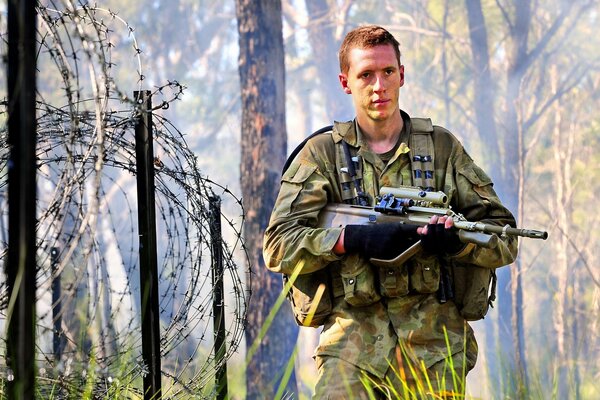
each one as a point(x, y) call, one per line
point(484, 93)
point(263, 149)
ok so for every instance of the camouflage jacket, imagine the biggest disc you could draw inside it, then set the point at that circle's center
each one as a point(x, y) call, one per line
point(367, 336)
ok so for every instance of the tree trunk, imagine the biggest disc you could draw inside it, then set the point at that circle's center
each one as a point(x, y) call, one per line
point(483, 103)
point(518, 327)
point(263, 151)
point(485, 89)
point(509, 278)
point(562, 143)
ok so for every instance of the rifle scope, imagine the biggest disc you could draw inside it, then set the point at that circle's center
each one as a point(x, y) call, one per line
point(405, 192)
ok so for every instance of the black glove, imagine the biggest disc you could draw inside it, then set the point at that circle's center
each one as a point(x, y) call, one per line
point(440, 240)
point(384, 241)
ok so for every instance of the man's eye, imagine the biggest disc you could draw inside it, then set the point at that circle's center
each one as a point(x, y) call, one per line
point(365, 75)
point(389, 72)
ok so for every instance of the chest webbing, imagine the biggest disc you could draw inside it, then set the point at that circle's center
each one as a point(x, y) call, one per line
point(350, 167)
point(422, 158)
point(422, 154)
point(350, 171)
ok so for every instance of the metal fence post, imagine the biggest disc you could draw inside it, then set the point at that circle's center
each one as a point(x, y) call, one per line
point(57, 337)
point(218, 297)
point(21, 262)
point(148, 258)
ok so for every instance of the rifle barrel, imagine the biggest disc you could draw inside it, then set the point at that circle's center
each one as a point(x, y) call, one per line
point(501, 230)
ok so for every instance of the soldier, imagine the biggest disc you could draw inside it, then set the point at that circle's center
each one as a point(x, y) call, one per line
point(385, 333)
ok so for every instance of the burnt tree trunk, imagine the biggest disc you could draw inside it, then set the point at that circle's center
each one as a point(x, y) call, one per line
point(263, 147)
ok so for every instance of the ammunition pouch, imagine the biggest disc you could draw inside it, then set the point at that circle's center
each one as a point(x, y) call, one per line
point(424, 274)
point(393, 282)
point(359, 280)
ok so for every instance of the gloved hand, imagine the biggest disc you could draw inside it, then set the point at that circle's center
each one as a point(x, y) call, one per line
point(441, 237)
point(384, 241)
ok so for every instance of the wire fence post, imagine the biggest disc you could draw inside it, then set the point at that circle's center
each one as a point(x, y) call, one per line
point(148, 259)
point(57, 339)
point(21, 262)
point(218, 297)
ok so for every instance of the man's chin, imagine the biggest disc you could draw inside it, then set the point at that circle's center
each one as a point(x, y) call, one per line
point(379, 115)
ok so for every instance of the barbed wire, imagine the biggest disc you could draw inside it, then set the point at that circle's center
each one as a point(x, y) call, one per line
point(87, 237)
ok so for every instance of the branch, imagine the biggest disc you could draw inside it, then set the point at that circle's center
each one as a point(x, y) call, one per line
point(571, 242)
point(551, 32)
point(290, 13)
point(564, 89)
point(541, 45)
point(345, 14)
point(511, 27)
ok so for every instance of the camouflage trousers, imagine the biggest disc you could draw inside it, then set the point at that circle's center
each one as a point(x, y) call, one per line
point(341, 380)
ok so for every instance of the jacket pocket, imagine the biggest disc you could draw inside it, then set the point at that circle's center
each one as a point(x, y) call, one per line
point(479, 182)
point(425, 274)
point(292, 183)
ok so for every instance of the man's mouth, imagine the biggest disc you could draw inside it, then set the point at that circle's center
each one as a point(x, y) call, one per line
point(380, 101)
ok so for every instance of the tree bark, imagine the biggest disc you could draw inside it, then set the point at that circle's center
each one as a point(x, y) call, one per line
point(263, 151)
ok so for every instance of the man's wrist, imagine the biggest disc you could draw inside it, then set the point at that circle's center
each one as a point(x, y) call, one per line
point(338, 247)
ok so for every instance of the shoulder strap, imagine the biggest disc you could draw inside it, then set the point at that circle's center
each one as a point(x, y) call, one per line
point(422, 150)
point(294, 153)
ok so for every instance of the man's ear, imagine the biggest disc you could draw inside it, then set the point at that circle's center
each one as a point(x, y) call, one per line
point(344, 82)
point(401, 70)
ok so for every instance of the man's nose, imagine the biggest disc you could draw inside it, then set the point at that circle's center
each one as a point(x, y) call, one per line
point(379, 84)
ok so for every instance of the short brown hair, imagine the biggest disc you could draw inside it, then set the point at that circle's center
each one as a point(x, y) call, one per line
point(365, 37)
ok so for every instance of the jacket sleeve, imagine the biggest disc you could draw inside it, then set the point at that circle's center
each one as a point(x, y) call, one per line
point(472, 194)
point(291, 239)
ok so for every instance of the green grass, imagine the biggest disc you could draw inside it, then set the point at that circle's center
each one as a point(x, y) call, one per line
point(543, 384)
point(90, 383)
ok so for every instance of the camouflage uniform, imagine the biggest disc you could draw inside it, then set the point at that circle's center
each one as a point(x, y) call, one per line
point(370, 336)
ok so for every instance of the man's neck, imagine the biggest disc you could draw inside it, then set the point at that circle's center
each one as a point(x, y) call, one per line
point(381, 136)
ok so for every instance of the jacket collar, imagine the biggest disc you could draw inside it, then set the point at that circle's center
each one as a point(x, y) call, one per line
point(348, 131)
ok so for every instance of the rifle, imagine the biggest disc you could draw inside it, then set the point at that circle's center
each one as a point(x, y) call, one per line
point(409, 205)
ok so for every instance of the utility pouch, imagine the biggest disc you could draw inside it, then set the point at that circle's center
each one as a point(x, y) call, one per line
point(393, 282)
point(472, 294)
point(359, 282)
point(310, 298)
point(424, 274)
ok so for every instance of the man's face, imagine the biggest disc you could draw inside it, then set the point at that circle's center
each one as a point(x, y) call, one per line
point(374, 79)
